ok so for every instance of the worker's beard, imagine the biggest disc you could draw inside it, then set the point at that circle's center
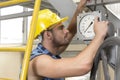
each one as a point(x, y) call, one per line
point(59, 42)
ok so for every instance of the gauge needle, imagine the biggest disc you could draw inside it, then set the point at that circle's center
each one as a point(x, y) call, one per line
point(88, 26)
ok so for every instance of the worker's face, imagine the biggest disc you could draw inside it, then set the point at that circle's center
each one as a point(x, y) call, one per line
point(60, 35)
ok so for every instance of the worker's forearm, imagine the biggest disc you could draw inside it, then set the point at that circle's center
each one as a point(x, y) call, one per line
point(73, 24)
point(88, 54)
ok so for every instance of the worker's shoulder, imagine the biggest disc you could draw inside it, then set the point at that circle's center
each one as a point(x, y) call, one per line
point(43, 58)
point(42, 61)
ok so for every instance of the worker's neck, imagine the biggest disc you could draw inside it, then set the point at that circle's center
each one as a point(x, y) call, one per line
point(50, 47)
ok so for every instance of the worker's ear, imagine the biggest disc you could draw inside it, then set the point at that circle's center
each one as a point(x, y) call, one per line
point(48, 34)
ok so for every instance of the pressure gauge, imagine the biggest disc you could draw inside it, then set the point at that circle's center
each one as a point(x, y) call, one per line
point(85, 24)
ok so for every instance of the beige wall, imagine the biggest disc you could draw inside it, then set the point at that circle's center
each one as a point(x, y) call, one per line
point(10, 65)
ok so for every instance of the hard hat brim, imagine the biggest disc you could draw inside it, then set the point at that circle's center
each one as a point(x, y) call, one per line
point(64, 19)
point(60, 21)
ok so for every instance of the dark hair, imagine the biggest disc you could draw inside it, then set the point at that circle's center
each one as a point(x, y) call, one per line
point(42, 33)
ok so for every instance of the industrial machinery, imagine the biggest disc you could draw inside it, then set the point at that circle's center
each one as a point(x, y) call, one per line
point(108, 52)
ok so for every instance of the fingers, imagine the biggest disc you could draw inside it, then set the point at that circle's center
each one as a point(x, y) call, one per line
point(107, 22)
point(97, 19)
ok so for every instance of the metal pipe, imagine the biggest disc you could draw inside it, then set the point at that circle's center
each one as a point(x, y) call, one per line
point(30, 41)
point(12, 49)
point(17, 15)
point(12, 2)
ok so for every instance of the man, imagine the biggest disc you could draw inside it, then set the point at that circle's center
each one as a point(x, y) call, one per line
point(46, 63)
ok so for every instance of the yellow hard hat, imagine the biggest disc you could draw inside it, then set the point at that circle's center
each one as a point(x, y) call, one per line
point(46, 19)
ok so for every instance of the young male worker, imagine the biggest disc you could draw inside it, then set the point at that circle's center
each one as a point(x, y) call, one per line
point(46, 64)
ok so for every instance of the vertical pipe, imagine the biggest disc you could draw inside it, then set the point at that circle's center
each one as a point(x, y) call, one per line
point(25, 27)
point(30, 41)
point(0, 28)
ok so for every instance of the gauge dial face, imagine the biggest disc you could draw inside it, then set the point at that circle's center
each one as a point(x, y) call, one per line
point(86, 25)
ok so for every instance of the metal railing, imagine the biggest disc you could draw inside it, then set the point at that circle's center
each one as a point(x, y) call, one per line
point(28, 48)
point(12, 2)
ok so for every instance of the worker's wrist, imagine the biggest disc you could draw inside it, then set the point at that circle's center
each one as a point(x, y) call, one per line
point(99, 37)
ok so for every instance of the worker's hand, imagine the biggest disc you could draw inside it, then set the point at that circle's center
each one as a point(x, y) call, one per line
point(100, 28)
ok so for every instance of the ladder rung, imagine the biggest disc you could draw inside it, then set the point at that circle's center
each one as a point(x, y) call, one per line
point(12, 49)
point(5, 79)
point(12, 2)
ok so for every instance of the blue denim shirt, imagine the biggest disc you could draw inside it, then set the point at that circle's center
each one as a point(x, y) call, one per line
point(39, 50)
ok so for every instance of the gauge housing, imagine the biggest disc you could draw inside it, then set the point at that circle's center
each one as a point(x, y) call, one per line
point(85, 23)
